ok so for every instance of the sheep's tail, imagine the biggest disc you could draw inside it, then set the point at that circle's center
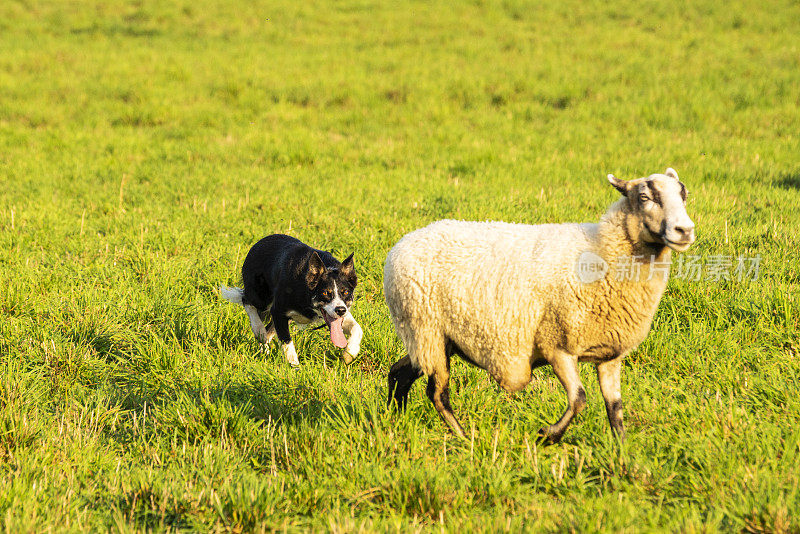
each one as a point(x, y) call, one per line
point(232, 294)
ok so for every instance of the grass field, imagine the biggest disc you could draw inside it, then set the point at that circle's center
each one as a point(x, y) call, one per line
point(145, 145)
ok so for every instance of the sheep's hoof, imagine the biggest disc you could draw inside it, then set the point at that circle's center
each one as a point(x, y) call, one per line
point(544, 436)
point(347, 358)
point(398, 404)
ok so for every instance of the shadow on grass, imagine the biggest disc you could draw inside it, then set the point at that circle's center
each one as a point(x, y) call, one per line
point(111, 30)
point(789, 181)
point(107, 342)
point(235, 409)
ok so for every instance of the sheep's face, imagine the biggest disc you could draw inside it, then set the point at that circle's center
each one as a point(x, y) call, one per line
point(660, 202)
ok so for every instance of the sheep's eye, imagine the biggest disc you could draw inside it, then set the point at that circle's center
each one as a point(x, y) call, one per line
point(643, 197)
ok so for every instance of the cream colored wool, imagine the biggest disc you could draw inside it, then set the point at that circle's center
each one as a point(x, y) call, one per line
point(509, 296)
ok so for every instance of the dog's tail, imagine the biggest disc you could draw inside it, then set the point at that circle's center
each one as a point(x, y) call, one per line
point(232, 294)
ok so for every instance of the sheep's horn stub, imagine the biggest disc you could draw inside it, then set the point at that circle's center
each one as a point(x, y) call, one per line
point(619, 185)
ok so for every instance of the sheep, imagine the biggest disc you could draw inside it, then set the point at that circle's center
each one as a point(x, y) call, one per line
point(509, 298)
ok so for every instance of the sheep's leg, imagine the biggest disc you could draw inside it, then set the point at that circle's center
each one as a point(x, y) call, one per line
point(565, 367)
point(402, 376)
point(439, 394)
point(608, 375)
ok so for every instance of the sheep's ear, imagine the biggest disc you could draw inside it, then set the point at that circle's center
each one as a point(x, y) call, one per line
point(671, 173)
point(619, 185)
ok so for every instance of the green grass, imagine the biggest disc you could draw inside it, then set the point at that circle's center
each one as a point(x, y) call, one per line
point(145, 145)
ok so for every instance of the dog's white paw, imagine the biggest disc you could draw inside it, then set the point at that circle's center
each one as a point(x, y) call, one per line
point(349, 354)
point(355, 334)
point(261, 334)
point(291, 354)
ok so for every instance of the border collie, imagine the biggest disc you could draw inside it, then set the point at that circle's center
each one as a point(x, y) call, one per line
point(285, 279)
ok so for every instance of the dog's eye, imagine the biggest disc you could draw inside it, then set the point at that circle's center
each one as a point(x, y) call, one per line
point(345, 293)
point(326, 294)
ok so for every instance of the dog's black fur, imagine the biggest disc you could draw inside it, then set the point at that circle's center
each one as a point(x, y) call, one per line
point(285, 278)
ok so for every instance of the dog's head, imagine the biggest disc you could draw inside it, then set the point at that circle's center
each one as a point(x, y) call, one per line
point(331, 288)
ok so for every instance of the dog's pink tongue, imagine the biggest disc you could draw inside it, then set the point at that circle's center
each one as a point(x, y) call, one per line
point(337, 334)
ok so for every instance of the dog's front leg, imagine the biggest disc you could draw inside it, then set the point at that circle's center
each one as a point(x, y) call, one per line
point(354, 335)
point(281, 323)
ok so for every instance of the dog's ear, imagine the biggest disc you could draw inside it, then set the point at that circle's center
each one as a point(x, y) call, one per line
point(349, 270)
point(315, 270)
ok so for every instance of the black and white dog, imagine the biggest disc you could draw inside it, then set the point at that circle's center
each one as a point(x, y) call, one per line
point(285, 279)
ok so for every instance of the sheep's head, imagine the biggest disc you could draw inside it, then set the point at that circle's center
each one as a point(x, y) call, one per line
point(660, 202)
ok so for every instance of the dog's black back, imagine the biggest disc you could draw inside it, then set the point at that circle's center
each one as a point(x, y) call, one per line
point(283, 274)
